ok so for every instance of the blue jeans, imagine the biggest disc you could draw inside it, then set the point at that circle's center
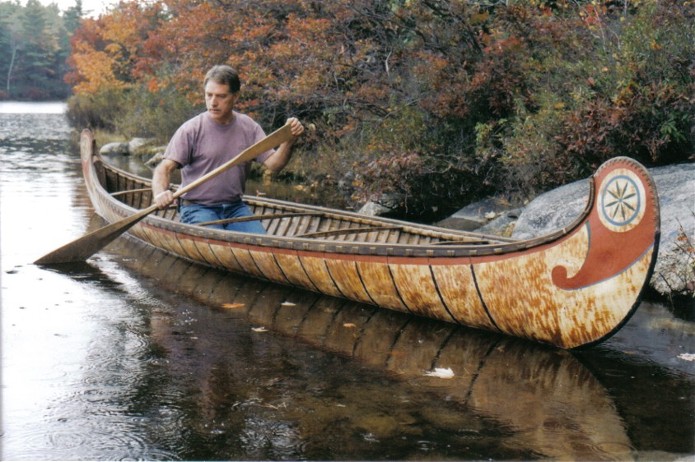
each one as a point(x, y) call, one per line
point(196, 213)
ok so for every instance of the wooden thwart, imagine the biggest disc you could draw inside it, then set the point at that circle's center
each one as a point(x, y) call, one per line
point(130, 191)
point(256, 217)
point(338, 232)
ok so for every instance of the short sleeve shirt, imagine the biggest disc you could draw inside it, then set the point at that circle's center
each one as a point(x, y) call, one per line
point(200, 145)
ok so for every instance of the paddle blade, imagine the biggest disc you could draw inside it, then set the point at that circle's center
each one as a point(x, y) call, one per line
point(86, 246)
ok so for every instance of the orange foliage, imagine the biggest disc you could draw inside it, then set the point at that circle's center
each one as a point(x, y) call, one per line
point(105, 50)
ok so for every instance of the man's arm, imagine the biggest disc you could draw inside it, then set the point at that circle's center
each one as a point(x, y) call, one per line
point(283, 154)
point(161, 179)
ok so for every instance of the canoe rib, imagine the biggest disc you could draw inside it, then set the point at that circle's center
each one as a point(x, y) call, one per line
point(573, 287)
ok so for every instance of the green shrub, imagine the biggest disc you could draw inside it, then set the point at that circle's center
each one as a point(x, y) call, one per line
point(420, 166)
point(98, 111)
point(154, 114)
point(643, 105)
point(611, 83)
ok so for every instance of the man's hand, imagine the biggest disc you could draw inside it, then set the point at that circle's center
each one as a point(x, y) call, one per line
point(295, 126)
point(163, 199)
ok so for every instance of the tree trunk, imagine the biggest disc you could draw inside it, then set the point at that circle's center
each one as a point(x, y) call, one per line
point(9, 70)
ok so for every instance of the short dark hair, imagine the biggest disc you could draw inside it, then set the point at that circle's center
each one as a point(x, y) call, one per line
point(224, 75)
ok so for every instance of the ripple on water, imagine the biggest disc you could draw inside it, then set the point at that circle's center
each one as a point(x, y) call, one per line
point(107, 439)
point(97, 432)
point(277, 440)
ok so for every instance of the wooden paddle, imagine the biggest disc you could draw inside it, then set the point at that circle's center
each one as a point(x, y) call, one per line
point(86, 246)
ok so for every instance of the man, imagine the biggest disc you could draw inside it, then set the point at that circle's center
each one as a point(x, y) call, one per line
point(209, 140)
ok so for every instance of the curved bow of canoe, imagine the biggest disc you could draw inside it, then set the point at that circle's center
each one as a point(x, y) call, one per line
point(573, 287)
point(584, 286)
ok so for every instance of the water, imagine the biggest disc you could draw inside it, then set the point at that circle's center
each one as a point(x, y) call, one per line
point(139, 355)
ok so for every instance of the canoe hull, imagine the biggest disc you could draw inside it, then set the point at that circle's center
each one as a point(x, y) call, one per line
point(572, 288)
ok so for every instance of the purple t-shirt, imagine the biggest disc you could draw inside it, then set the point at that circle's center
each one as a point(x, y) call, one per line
point(200, 145)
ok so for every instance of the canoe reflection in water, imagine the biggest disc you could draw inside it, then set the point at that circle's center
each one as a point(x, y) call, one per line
point(549, 402)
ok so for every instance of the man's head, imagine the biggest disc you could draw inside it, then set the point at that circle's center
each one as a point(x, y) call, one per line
point(224, 75)
point(221, 92)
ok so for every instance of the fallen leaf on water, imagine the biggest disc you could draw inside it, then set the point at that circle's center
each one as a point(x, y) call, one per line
point(233, 306)
point(259, 329)
point(440, 372)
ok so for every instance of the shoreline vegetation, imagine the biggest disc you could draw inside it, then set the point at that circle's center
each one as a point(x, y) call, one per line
point(423, 107)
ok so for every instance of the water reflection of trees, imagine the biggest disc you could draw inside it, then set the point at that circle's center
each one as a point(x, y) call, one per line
point(542, 402)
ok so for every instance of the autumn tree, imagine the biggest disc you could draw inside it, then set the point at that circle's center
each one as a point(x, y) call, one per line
point(105, 50)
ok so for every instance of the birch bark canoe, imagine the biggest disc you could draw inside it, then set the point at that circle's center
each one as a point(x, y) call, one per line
point(573, 287)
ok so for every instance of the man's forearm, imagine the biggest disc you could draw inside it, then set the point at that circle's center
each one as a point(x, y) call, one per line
point(160, 182)
point(280, 158)
point(161, 178)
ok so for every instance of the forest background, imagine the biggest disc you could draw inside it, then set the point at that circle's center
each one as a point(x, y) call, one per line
point(423, 105)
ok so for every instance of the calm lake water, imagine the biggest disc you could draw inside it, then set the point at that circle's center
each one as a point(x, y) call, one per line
point(139, 355)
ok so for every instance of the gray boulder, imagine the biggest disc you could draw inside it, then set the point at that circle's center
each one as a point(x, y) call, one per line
point(153, 161)
point(115, 148)
point(674, 272)
point(138, 145)
point(383, 205)
point(502, 224)
point(373, 209)
point(552, 210)
point(481, 214)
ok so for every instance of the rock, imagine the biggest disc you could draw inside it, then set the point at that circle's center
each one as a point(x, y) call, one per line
point(136, 146)
point(674, 272)
point(372, 209)
point(503, 224)
point(675, 265)
point(383, 205)
point(155, 159)
point(115, 148)
point(552, 210)
point(480, 214)
point(139, 144)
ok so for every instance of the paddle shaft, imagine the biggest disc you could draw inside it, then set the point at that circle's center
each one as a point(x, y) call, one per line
point(84, 247)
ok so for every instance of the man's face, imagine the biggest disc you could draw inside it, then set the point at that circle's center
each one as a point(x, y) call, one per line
point(219, 101)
